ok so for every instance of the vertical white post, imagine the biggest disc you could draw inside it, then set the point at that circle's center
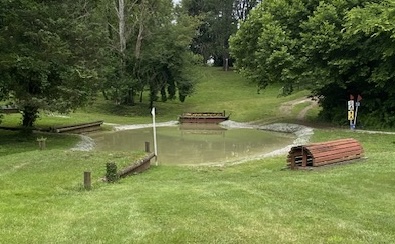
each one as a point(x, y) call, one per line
point(154, 128)
point(355, 116)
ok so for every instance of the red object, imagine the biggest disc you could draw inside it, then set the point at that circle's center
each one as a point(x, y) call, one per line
point(351, 97)
point(359, 98)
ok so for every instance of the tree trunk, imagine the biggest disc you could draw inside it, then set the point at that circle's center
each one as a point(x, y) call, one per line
point(30, 114)
point(225, 61)
point(131, 96)
point(139, 38)
point(121, 26)
point(141, 95)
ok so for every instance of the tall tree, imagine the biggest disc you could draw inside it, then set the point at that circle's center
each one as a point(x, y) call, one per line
point(46, 58)
point(153, 53)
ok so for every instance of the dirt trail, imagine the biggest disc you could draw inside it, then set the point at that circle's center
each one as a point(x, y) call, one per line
point(287, 107)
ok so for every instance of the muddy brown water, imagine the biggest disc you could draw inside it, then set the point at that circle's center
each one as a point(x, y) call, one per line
point(195, 144)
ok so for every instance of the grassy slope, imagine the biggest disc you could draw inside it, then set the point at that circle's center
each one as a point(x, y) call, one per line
point(255, 202)
point(217, 91)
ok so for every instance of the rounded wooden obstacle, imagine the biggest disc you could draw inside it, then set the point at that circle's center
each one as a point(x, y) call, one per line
point(324, 153)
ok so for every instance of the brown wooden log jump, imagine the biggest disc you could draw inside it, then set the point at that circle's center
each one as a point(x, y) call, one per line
point(137, 167)
point(78, 128)
point(10, 110)
point(319, 154)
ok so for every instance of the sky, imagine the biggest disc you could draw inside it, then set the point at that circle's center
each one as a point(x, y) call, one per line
point(176, 1)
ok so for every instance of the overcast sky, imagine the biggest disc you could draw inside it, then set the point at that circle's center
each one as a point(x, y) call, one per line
point(176, 1)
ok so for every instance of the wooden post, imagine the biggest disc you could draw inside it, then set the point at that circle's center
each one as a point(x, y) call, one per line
point(304, 158)
point(292, 161)
point(147, 147)
point(87, 180)
point(41, 143)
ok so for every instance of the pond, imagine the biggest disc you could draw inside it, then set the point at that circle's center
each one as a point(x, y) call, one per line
point(195, 143)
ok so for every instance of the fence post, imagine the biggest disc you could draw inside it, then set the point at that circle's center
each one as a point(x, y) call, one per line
point(147, 147)
point(41, 143)
point(87, 180)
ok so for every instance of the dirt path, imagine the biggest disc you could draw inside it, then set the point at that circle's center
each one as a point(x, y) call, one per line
point(287, 107)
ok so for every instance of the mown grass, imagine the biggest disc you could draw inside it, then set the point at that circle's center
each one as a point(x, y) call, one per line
point(42, 199)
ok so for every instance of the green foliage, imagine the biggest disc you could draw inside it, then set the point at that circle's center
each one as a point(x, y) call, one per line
point(218, 20)
point(155, 55)
point(47, 59)
point(111, 172)
point(216, 90)
point(335, 48)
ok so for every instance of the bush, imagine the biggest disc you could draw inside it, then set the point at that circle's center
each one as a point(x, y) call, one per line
point(111, 174)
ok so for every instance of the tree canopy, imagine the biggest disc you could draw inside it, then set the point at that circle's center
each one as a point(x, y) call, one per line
point(218, 21)
point(335, 48)
point(56, 55)
point(149, 49)
point(48, 55)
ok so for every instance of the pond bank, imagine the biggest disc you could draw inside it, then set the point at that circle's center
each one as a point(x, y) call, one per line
point(301, 132)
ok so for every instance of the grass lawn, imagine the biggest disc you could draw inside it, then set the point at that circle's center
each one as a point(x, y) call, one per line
point(42, 200)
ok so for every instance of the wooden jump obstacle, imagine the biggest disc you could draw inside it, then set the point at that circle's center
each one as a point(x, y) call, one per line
point(203, 117)
point(78, 128)
point(319, 154)
point(9, 110)
point(137, 167)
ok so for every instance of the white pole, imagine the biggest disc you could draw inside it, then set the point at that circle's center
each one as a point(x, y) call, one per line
point(356, 114)
point(154, 127)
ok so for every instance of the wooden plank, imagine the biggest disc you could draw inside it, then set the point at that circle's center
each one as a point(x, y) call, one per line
point(334, 158)
point(336, 161)
point(333, 148)
point(334, 155)
point(329, 144)
point(293, 162)
point(78, 128)
point(334, 152)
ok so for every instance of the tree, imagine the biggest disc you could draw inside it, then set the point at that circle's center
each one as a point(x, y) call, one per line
point(343, 62)
point(243, 7)
point(373, 27)
point(47, 59)
point(155, 52)
point(266, 46)
point(324, 46)
point(165, 61)
point(219, 20)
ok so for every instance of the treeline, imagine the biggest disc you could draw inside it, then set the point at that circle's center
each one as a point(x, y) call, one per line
point(57, 55)
point(219, 19)
point(335, 48)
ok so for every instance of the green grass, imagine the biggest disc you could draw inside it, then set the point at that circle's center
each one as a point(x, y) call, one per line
point(43, 201)
point(216, 91)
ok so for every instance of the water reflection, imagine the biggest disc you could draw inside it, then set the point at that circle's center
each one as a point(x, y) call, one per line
point(195, 144)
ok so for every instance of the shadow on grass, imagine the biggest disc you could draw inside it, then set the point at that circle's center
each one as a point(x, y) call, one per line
point(13, 142)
